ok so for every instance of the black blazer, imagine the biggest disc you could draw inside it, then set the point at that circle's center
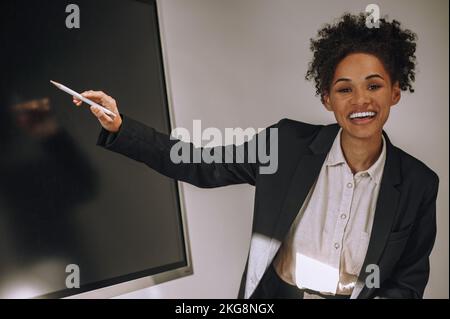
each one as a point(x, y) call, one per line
point(404, 227)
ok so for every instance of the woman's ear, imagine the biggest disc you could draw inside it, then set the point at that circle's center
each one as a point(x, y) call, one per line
point(396, 93)
point(326, 101)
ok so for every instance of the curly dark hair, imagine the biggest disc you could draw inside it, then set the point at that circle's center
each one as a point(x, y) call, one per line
point(393, 46)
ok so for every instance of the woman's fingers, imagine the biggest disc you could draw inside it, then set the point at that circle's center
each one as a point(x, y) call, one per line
point(76, 101)
point(102, 99)
point(96, 96)
point(99, 97)
point(103, 118)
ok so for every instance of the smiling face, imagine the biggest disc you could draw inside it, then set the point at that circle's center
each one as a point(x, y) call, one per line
point(361, 95)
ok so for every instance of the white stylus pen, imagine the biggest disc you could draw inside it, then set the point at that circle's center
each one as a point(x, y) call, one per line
point(82, 98)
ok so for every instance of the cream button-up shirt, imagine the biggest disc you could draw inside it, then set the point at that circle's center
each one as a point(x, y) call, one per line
point(327, 243)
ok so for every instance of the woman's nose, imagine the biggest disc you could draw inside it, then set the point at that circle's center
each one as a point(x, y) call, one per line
point(360, 97)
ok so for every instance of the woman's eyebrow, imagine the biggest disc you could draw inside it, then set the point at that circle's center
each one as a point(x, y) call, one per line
point(374, 76)
point(367, 78)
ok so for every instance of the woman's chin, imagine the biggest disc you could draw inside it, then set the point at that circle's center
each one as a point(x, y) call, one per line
point(364, 133)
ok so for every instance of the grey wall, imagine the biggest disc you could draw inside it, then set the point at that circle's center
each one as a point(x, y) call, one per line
point(241, 63)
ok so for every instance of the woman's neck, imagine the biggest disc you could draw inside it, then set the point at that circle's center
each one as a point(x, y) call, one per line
point(360, 154)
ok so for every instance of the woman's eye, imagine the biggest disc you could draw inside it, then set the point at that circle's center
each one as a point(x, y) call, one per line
point(374, 86)
point(344, 90)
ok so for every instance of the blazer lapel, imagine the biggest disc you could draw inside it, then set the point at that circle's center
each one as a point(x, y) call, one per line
point(307, 171)
point(385, 213)
point(305, 174)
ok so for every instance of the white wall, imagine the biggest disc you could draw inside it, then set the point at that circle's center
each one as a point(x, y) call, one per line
point(241, 63)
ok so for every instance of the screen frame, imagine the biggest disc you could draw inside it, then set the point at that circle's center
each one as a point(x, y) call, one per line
point(147, 281)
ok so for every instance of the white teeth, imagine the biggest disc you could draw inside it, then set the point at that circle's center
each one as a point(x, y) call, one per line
point(361, 114)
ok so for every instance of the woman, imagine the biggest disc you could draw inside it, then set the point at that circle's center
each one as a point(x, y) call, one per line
point(347, 214)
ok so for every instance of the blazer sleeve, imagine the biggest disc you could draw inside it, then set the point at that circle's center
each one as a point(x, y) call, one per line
point(411, 274)
point(153, 148)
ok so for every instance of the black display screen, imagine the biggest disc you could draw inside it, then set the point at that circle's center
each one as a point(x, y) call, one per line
point(63, 199)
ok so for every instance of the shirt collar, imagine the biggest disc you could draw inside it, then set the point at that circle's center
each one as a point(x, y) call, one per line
point(336, 157)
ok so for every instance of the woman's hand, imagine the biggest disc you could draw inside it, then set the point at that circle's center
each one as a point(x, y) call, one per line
point(99, 97)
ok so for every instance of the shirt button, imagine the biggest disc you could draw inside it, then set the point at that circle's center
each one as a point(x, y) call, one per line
point(343, 216)
point(336, 245)
point(364, 174)
point(349, 185)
